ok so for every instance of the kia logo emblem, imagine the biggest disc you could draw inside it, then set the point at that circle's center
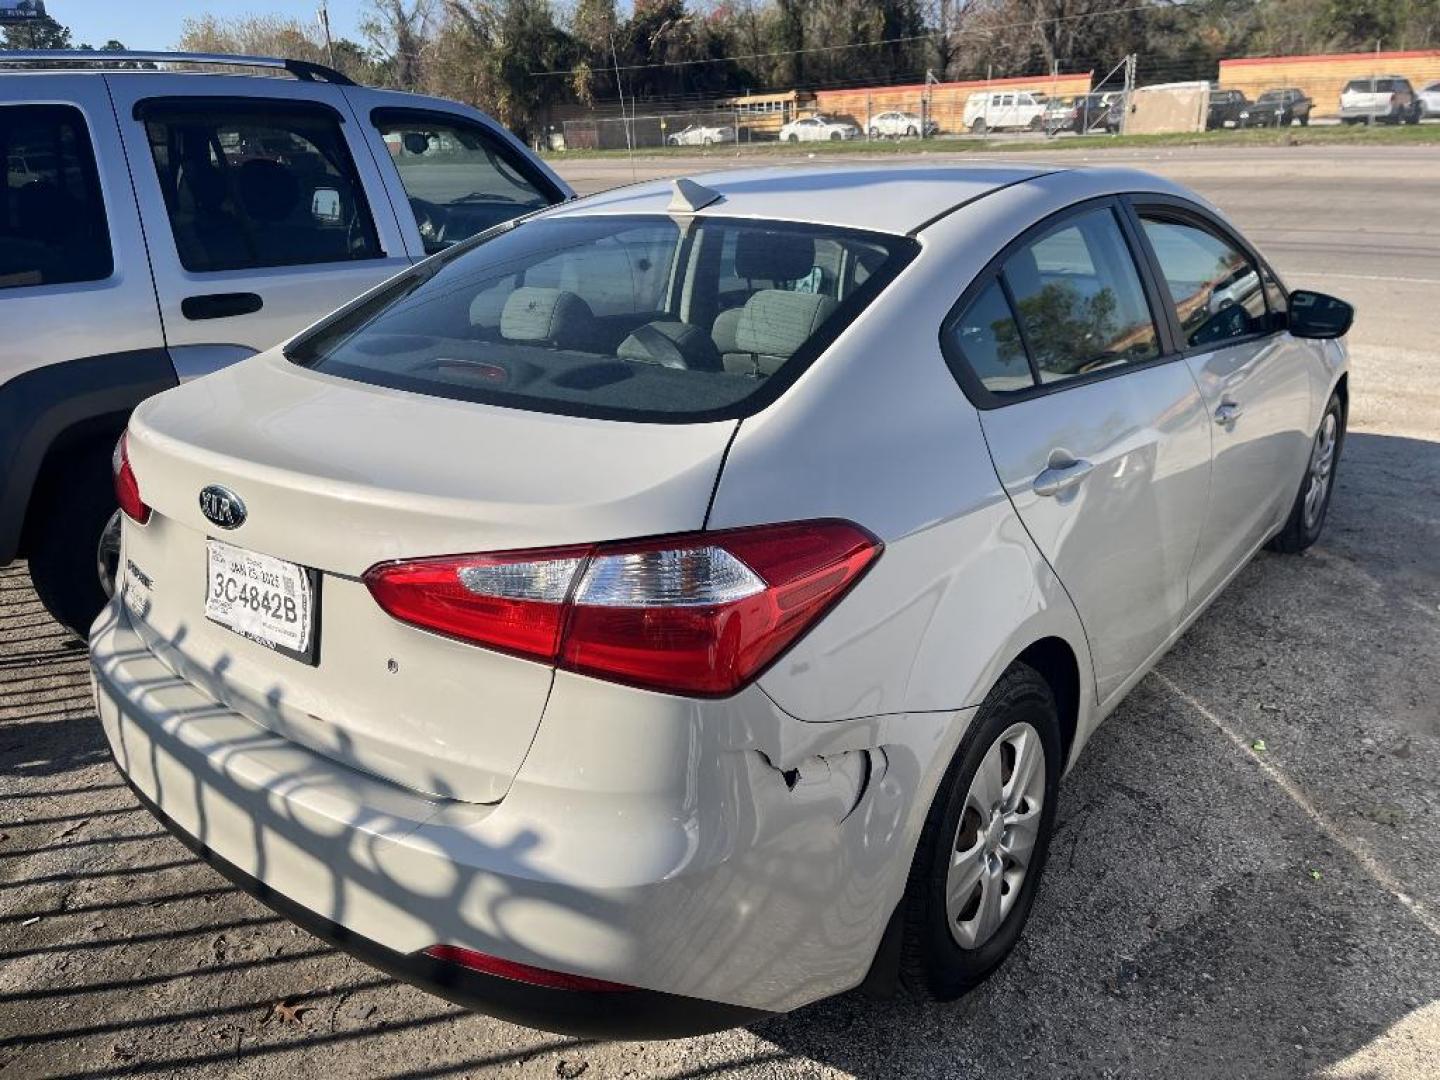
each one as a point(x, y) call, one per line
point(222, 507)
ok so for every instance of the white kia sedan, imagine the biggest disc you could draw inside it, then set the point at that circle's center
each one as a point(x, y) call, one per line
point(818, 129)
point(683, 604)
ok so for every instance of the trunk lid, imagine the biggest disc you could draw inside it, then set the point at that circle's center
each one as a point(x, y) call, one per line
point(338, 476)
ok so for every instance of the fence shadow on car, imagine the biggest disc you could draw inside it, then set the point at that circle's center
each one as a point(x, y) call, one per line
point(1178, 929)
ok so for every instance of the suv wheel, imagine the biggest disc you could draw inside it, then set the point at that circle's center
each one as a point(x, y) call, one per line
point(68, 544)
point(983, 846)
point(1307, 515)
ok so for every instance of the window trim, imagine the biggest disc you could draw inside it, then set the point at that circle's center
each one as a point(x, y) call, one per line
point(228, 105)
point(1184, 212)
point(95, 176)
point(981, 396)
point(519, 162)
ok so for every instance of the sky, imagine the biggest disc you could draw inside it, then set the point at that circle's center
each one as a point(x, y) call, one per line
point(155, 24)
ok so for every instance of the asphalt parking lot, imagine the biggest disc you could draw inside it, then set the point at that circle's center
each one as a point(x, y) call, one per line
point(1210, 910)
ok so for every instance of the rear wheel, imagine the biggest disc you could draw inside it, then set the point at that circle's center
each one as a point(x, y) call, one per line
point(792, 137)
point(983, 846)
point(835, 136)
point(71, 544)
point(1037, 123)
point(979, 127)
point(1307, 515)
point(912, 132)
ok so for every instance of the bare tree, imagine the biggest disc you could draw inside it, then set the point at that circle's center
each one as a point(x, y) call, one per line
point(400, 31)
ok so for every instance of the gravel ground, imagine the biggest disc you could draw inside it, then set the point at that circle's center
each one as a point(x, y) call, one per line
point(1210, 910)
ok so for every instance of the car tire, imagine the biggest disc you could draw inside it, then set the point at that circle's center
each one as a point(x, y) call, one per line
point(1037, 123)
point(979, 127)
point(792, 137)
point(1305, 120)
point(912, 133)
point(1312, 502)
point(64, 546)
point(708, 143)
point(835, 136)
point(935, 961)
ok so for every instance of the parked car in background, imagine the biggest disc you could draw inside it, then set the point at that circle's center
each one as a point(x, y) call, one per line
point(1388, 99)
point(1430, 101)
point(1224, 108)
point(1097, 112)
point(159, 225)
point(702, 135)
point(818, 129)
point(900, 125)
point(1277, 108)
point(1011, 109)
point(544, 627)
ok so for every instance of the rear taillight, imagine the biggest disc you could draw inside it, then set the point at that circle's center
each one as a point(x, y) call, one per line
point(127, 488)
point(700, 614)
point(471, 960)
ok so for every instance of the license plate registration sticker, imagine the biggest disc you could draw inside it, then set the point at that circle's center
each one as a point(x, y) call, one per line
point(268, 600)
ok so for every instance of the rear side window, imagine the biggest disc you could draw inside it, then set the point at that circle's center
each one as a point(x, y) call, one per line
point(989, 341)
point(52, 217)
point(1078, 299)
point(255, 184)
point(640, 318)
point(1216, 288)
point(459, 178)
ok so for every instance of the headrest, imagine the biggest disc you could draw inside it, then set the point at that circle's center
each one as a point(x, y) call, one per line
point(552, 316)
point(671, 343)
point(773, 256)
point(776, 323)
point(268, 189)
point(206, 185)
point(724, 329)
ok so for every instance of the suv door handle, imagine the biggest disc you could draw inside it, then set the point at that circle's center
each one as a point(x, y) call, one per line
point(1228, 413)
point(220, 305)
point(1061, 477)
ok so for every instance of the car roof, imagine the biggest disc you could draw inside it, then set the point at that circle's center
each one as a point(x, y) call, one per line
point(882, 198)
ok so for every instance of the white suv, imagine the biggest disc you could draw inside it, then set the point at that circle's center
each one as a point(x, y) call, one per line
point(158, 225)
point(683, 604)
point(996, 111)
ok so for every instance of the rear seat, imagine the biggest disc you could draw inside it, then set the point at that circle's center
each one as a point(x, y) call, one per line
point(772, 325)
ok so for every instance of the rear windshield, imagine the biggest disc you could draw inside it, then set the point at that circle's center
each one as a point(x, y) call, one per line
point(647, 318)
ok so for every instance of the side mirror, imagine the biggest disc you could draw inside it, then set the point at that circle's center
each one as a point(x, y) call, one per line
point(1315, 315)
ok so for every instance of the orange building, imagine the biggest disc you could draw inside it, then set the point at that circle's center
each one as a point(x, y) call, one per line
point(1323, 77)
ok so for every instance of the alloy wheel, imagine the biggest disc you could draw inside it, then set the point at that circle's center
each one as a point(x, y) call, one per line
point(1322, 468)
point(994, 842)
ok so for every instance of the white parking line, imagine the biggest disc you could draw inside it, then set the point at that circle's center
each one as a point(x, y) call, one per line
point(1371, 277)
point(1357, 848)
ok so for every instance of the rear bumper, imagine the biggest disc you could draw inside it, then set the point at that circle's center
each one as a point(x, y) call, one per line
point(646, 841)
point(635, 1014)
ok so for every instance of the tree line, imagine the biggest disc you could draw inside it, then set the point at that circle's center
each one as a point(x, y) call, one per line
point(518, 59)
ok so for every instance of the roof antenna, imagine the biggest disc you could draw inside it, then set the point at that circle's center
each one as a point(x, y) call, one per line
point(688, 196)
point(629, 146)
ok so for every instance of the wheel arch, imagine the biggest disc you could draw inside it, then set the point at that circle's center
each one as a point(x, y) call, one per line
point(49, 414)
point(1056, 663)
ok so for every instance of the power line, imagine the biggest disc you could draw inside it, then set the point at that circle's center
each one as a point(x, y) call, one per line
point(910, 39)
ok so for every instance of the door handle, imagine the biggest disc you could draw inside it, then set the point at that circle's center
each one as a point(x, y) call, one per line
point(1061, 477)
point(1228, 413)
point(220, 305)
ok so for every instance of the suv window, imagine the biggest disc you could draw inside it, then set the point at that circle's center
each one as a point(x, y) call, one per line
point(1078, 298)
point(640, 318)
point(1215, 286)
point(252, 184)
point(52, 216)
point(459, 178)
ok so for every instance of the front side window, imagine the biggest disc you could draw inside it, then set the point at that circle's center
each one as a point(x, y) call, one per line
point(459, 178)
point(251, 184)
point(641, 318)
point(52, 216)
point(1078, 299)
point(1216, 288)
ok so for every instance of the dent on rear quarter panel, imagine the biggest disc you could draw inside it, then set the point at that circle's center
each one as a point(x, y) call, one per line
point(878, 432)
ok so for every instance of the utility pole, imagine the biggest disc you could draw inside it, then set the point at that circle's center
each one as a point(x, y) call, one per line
point(322, 16)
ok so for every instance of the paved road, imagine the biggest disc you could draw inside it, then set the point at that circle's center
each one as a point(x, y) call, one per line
point(1210, 911)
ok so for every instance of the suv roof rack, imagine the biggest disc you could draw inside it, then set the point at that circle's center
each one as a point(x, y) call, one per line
point(303, 70)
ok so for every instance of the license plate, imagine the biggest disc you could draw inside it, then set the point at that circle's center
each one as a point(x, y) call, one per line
point(268, 600)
